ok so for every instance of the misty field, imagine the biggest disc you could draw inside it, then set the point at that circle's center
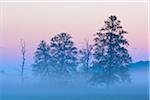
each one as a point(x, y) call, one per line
point(77, 90)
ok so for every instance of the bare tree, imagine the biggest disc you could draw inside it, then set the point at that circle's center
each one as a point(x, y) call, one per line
point(23, 51)
point(85, 54)
point(88, 51)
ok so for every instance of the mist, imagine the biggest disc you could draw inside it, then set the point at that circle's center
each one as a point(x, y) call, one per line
point(71, 88)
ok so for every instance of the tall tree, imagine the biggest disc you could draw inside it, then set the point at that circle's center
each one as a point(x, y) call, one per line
point(23, 51)
point(63, 53)
point(41, 64)
point(85, 57)
point(110, 54)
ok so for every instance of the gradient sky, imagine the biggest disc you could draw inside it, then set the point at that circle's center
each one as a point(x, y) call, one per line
point(36, 21)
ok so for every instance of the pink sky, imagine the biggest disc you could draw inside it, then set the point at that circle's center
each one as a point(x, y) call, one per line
point(36, 21)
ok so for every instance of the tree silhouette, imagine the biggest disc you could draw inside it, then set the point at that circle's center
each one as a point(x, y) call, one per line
point(23, 51)
point(111, 58)
point(63, 53)
point(41, 64)
point(85, 55)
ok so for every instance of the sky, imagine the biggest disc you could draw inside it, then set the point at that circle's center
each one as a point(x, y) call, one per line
point(34, 22)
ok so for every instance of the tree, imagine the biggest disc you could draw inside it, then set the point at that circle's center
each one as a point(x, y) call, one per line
point(41, 64)
point(85, 57)
point(63, 53)
point(23, 51)
point(111, 58)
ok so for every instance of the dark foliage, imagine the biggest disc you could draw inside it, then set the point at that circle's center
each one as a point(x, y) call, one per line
point(42, 57)
point(64, 53)
point(110, 53)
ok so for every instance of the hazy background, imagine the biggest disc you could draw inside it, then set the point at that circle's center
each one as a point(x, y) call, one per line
point(36, 21)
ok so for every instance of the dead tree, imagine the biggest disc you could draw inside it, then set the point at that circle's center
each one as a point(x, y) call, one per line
point(85, 54)
point(23, 51)
point(88, 54)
